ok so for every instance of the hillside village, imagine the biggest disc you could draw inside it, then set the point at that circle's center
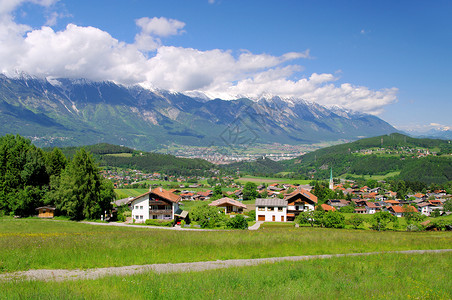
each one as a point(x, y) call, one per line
point(281, 202)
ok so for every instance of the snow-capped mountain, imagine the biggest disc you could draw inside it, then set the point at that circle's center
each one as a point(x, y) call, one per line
point(61, 111)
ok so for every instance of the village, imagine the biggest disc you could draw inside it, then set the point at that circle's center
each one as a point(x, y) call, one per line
point(170, 198)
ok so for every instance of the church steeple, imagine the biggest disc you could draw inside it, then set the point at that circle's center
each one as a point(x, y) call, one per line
point(331, 179)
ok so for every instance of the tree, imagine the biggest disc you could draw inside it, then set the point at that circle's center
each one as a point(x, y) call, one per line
point(217, 193)
point(448, 205)
point(356, 220)
point(333, 219)
point(82, 193)
point(207, 216)
point(347, 209)
point(305, 217)
point(249, 191)
point(380, 220)
point(412, 216)
point(23, 176)
point(55, 162)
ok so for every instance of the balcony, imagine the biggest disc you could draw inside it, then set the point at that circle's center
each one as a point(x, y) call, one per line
point(160, 212)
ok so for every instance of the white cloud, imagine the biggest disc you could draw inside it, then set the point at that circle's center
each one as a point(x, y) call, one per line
point(94, 54)
point(151, 29)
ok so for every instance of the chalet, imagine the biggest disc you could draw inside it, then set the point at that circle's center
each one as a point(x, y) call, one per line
point(399, 211)
point(299, 201)
point(155, 204)
point(229, 205)
point(271, 210)
point(46, 212)
point(371, 207)
point(425, 208)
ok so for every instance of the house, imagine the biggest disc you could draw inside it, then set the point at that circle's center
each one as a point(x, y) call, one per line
point(327, 207)
point(299, 201)
point(360, 210)
point(371, 207)
point(46, 212)
point(230, 205)
point(338, 203)
point(155, 204)
point(271, 210)
point(399, 211)
point(425, 208)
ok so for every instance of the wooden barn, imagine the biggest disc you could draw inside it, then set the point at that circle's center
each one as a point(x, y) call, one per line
point(46, 212)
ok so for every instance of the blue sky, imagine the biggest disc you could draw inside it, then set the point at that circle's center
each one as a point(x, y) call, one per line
point(390, 58)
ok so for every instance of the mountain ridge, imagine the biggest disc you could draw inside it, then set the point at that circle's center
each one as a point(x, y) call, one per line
point(69, 112)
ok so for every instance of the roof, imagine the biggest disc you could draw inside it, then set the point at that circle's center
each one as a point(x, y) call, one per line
point(226, 200)
point(46, 207)
point(161, 193)
point(327, 207)
point(181, 213)
point(270, 202)
point(400, 209)
point(303, 193)
point(166, 194)
point(371, 205)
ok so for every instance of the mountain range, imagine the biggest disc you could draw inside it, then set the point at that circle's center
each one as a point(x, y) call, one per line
point(68, 112)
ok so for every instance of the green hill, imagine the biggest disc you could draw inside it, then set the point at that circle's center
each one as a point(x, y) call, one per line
point(425, 160)
point(124, 157)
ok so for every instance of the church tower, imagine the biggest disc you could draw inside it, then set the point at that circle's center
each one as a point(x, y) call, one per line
point(331, 179)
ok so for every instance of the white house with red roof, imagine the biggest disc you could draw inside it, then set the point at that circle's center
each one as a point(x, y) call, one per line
point(156, 204)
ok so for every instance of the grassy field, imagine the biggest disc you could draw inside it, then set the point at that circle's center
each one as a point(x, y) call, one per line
point(375, 177)
point(125, 193)
point(385, 276)
point(268, 180)
point(35, 244)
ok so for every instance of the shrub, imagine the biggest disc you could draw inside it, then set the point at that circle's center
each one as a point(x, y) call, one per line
point(347, 209)
point(165, 223)
point(333, 219)
point(237, 222)
point(252, 215)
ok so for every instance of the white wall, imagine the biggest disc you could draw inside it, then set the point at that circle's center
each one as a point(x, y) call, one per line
point(269, 212)
point(140, 207)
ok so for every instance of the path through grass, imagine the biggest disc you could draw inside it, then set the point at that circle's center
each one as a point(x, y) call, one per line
point(37, 244)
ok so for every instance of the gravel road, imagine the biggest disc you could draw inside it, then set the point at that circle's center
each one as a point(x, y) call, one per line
point(63, 275)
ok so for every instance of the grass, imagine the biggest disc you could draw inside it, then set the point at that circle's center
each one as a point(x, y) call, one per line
point(385, 276)
point(268, 180)
point(125, 193)
point(375, 177)
point(120, 154)
point(36, 244)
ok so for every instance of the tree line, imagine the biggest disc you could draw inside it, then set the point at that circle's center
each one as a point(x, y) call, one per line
point(31, 177)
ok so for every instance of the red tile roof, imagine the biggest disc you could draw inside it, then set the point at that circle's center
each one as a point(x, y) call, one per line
point(327, 207)
point(303, 193)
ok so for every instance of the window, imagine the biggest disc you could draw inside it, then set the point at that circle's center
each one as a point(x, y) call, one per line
point(261, 209)
point(280, 209)
point(154, 217)
point(141, 207)
point(168, 207)
point(141, 217)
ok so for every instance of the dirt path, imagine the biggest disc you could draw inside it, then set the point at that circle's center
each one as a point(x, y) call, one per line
point(63, 275)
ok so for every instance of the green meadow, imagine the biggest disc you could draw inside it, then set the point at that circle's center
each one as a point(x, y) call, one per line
point(51, 244)
point(269, 180)
point(384, 276)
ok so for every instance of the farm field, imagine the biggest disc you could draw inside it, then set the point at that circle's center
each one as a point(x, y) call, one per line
point(50, 244)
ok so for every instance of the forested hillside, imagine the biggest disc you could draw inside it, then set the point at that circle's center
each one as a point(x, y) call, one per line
point(425, 160)
point(123, 157)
